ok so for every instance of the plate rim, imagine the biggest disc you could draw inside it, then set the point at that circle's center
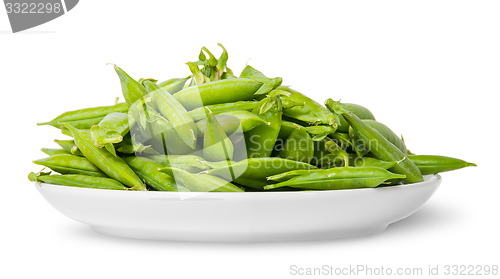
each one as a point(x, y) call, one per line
point(433, 178)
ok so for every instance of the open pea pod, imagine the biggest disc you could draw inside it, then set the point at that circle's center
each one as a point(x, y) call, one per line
point(253, 172)
point(110, 130)
point(338, 179)
point(113, 166)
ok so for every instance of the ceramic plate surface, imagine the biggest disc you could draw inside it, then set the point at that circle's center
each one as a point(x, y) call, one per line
point(235, 217)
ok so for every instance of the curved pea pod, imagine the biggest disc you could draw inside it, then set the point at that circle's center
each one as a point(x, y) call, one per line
point(176, 114)
point(201, 182)
point(379, 146)
point(310, 112)
point(360, 111)
point(199, 113)
point(190, 163)
point(113, 166)
point(355, 161)
point(260, 141)
point(432, 164)
point(70, 164)
point(131, 89)
point(339, 178)
point(253, 172)
point(77, 180)
point(232, 120)
point(290, 174)
point(221, 91)
point(174, 85)
point(387, 133)
point(110, 130)
point(147, 170)
point(299, 147)
point(85, 118)
point(53, 151)
point(216, 145)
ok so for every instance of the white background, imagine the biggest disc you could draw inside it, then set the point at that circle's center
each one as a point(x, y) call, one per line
point(428, 69)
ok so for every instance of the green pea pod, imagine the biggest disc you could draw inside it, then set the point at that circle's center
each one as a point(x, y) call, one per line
point(234, 120)
point(432, 164)
point(113, 166)
point(310, 112)
point(201, 182)
point(147, 170)
point(216, 145)
point(253, 172)
point(261, 140)
point(290, 174)
point(299, 147)
point(190, 163)
point(360, 111)
point(217, 92)
point(70, 164)
point(387, 133)
point(338, 179)
point(77, 180)
point(355, 161)
point(85, 118)
point(378, 145)
point(174, 85)
point(53, 151)
point(199, 113)
point(176, 114)
point(110, 130)
point(131, 89)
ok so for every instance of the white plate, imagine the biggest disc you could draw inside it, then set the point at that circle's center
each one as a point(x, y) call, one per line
point(246, 217)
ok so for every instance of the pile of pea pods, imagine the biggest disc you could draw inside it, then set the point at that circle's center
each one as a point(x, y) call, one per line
point(215, 131)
